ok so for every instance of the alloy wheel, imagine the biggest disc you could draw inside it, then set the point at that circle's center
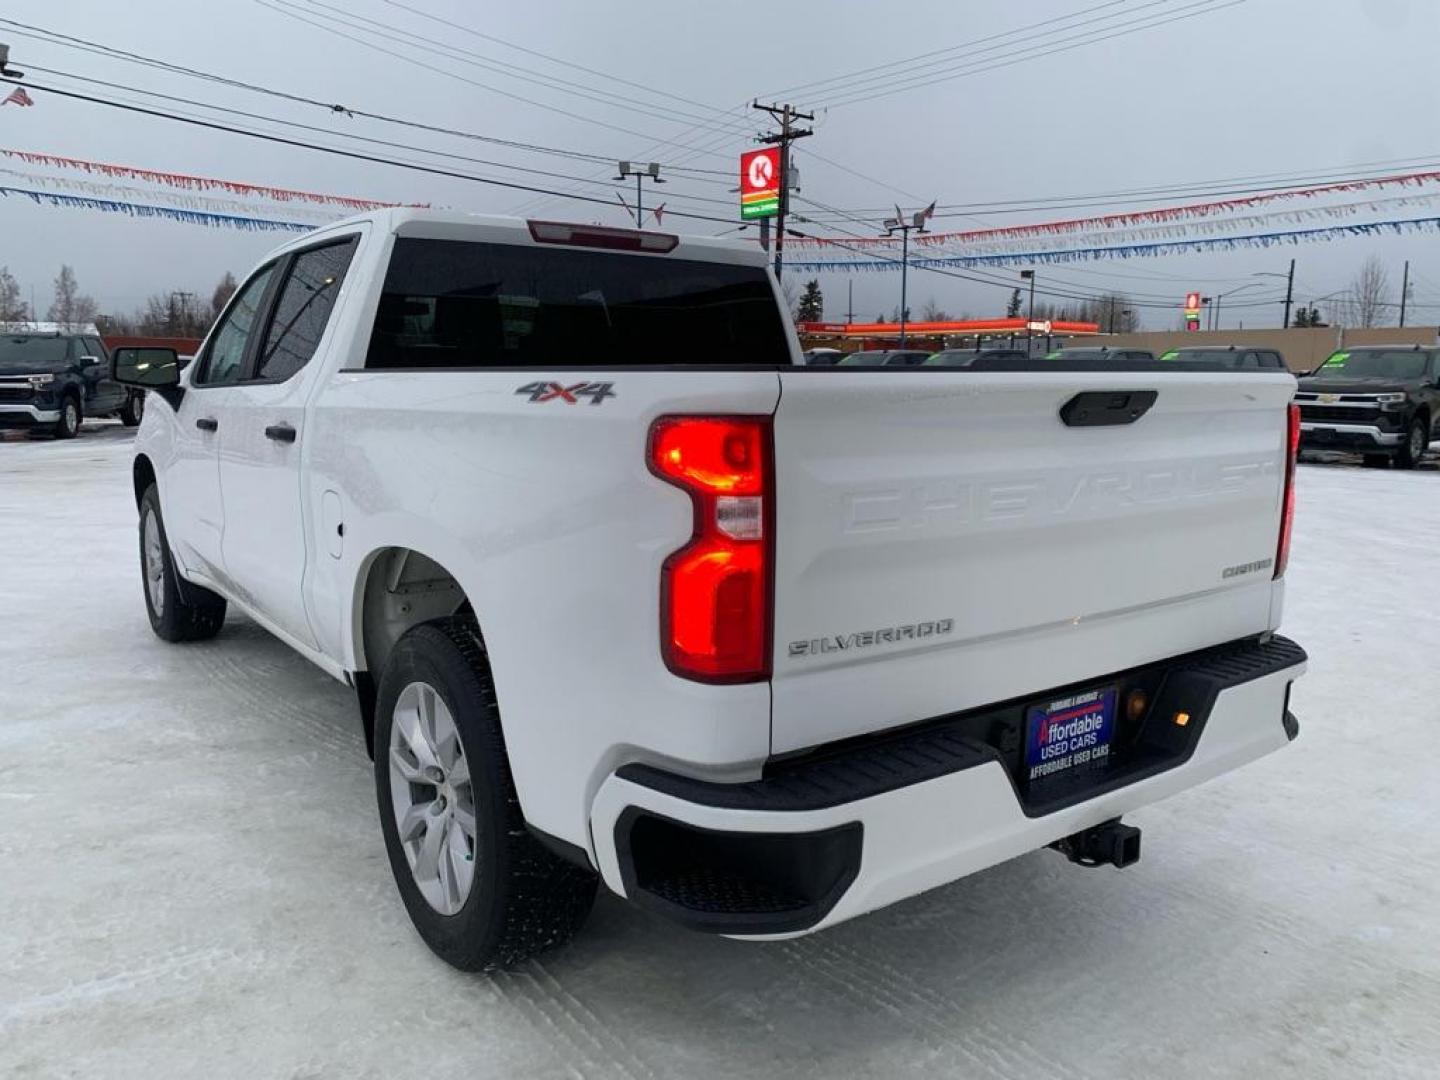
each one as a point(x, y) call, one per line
point(432, 798)
point(154, 564)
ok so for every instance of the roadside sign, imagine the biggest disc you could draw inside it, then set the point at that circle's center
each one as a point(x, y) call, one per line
point(760, 183)
point(1192, 311)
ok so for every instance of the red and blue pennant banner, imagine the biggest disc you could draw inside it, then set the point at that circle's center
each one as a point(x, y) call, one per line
point(1172, 215)
point(880, 261)
point(243, 223)
point(186, 181)
point(183, 200)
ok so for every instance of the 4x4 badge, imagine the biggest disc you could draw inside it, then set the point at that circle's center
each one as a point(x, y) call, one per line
point(540, 392)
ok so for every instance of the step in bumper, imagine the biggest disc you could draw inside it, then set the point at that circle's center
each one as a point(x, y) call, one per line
point(812, 845)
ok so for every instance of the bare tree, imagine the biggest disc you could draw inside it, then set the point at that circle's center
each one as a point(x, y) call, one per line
point(933, 312)
point(172, 315)
point(792, 297)
point(71, 307)
point(221, 296)
point(1366, 302)
point(12, 308)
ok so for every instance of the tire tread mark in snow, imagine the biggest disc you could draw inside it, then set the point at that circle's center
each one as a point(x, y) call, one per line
point(873, 982)
point(533, 988)
point(942, 1010)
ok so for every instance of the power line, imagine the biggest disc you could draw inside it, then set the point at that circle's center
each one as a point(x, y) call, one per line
point(387, 31)
point(1205, 7)
point(1283, 182)
point(909, 62)
point(386, 143)
point(51, 37)
point(336, 151)
point(553, 59)
point(392, 54)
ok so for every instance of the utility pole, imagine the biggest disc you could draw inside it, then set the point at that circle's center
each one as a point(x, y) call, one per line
point(850, 301)
point(1404, 292)
point(1289, 293)
point(640, 172)
point(787, 115)
point(1030, 316)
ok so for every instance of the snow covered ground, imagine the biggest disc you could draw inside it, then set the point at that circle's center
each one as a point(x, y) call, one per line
point(192, 881)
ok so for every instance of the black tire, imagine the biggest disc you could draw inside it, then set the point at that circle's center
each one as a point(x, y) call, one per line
point(186, 612)
point(134, 409)
point(70, 418)
point(1376, 461)
point(1417, 439)
point(524, 899)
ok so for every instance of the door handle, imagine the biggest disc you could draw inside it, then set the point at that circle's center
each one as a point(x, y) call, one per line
point(208, 423)
point(280, 433)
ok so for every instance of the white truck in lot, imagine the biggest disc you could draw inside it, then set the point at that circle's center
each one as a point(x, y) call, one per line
point(628, 593)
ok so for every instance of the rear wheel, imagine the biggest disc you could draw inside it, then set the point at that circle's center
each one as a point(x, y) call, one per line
point(69, 424)
point(134, 409)
point(482, 892)
point(175, 615)
point(1417, 439)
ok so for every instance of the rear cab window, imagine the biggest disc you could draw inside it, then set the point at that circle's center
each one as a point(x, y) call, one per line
point(474, 304)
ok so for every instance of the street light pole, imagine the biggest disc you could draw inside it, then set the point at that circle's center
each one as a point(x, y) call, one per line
point(905, 228)
point(1030, 317)
point(640, 172)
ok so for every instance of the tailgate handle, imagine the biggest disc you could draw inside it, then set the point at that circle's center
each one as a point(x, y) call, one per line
point(1107, 408)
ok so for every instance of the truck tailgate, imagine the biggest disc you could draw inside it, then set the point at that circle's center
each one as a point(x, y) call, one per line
point(945, 540)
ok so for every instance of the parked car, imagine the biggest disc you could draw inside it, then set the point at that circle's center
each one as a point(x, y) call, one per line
point(822, 357)
point(53, 378)
point(885, 358)
point(1101, 353)
point(970, 358)
point(1242, 357)
point(1381, 401)
point(762, 649)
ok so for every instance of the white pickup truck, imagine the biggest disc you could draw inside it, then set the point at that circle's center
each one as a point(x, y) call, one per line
point(628, 593)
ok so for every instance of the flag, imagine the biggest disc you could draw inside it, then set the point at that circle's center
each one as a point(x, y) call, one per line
point(18, 96)
point(927, 213)
point(659, 213)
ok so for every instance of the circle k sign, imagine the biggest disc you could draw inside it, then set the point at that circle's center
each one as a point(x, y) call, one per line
point(760, 183)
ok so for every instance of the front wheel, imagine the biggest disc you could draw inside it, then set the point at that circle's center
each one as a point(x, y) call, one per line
point(1417, 440)
point(134, 409)
point(69, 425)
point(191, 615)
point(482, 892)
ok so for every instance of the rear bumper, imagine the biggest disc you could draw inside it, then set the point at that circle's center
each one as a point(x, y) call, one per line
point(1319, 436)
point(13, 415)
point(820, 842)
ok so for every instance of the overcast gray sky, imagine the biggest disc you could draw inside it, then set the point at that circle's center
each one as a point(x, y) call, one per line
point(1265, 86)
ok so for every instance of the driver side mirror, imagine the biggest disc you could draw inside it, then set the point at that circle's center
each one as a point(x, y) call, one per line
point(150, 368)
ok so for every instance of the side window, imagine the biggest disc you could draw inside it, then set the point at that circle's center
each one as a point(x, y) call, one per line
point(1272, 360)
point(303, 310)
point(92, 347)
point(1249, 360)
point(225, 357)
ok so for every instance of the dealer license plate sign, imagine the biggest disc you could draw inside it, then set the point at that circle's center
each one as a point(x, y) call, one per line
point(1069, 732)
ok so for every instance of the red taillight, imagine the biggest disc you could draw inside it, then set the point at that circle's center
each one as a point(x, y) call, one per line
point(715, 591)
point(1287, 512)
